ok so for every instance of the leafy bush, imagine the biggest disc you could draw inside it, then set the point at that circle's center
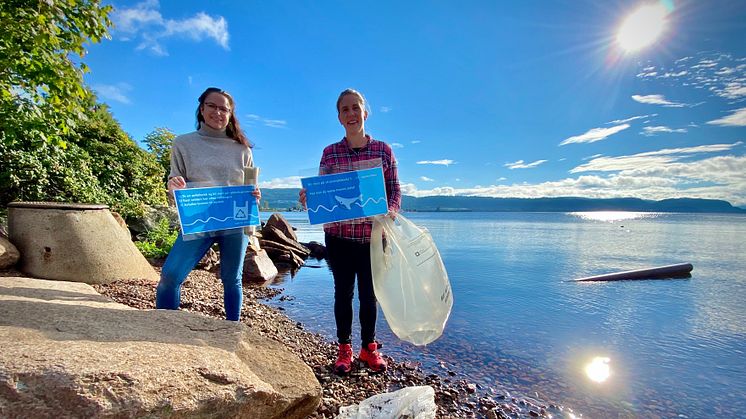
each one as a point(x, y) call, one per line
point(158, 241)
point(98, 164)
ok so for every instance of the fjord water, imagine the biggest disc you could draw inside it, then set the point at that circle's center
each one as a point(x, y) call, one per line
point(643, 348)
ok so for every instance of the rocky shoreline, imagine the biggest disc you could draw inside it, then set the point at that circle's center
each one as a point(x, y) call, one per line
point(202, 293)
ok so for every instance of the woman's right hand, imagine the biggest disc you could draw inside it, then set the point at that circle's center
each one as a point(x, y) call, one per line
point(302, 197)
point(176, 182)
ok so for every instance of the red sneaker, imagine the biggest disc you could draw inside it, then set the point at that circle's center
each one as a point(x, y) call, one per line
point(344, 359)
point(372, 357)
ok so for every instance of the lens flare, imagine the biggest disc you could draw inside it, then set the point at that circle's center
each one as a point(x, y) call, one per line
point(598, 370)
point(642, 27)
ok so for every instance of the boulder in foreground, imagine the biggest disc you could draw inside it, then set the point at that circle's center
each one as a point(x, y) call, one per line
point(65, 350)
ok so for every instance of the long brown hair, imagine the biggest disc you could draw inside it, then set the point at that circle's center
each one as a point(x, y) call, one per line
point(233, 130)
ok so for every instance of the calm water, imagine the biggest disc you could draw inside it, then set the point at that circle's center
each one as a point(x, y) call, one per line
point(672, 348)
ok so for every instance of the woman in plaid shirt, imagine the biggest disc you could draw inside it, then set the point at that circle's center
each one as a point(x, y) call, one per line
point(348, 242)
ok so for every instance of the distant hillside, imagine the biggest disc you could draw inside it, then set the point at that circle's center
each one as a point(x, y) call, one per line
point(281, 199)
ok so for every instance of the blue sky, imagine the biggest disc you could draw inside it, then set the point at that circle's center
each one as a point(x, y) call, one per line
point(506, 99)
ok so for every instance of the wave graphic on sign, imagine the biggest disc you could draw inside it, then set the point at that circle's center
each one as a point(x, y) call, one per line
point(321, 206)
point(337, 206)
point(199, 220)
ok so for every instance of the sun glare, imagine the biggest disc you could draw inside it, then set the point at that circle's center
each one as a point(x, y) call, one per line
point(642, 27)
point(598, 370)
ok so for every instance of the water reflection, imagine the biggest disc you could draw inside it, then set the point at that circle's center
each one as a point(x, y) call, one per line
point(611, 216)
point(677, 345)
point(598, 370)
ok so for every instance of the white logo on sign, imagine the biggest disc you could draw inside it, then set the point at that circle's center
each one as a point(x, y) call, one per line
point(241, 213)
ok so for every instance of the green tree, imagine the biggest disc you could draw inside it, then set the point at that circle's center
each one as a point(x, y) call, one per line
point(128, 176)
point(42, 95)
point(159, 144)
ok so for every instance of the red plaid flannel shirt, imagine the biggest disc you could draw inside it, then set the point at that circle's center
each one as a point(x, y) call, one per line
point(339, 158)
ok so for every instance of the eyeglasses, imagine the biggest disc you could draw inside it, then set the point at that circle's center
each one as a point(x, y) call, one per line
point(215, 108)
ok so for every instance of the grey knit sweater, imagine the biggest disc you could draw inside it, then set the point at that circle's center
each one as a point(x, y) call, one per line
point(208, 157)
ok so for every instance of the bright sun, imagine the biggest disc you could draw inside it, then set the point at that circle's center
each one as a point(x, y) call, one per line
point(642, 27)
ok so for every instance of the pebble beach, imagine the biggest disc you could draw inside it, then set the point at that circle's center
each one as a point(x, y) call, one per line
point(202, 293)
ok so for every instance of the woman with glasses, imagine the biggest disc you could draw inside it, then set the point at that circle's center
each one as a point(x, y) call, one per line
point(217, 154)
point(348, 242)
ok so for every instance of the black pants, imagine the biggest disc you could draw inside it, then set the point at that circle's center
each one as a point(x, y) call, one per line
point(347, 259)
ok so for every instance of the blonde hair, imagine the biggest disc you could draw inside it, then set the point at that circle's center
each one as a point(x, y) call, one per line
point(359, 95)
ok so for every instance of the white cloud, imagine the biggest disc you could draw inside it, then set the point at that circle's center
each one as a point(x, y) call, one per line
point(275, 123)
point(657, 100)
point(385, 109)
point(592, 157)
point(736, 119)
point(721, 74)
point(117, 92)
point(286, 182)
point(622, 121)
point(733, 90)
point(444, 162)
point(705, 64)
point(500, 179)
point(200, 26)
point(521, 165)
point(144, 21)
point(678, 74)
point(649, 160)
point(595, 134)
point(647, 74)
point(712, 178)
point(416, 141)
point(133, 19)
point(252, 119)
point(396, 145)
point(650, 131)
point(426, 179)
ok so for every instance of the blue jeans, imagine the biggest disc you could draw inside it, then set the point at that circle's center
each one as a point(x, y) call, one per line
point(184, 256)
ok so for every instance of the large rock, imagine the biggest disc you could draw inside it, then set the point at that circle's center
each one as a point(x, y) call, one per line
point(273, 234)
point(74, 242)
point(8, 254)
point(152, 216)
point(257, 266)
point(67, 351)
point(279, 222)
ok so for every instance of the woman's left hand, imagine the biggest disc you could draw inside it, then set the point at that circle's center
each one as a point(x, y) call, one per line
point(257, 194)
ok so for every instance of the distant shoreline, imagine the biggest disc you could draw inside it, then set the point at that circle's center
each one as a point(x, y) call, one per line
point(287, 199)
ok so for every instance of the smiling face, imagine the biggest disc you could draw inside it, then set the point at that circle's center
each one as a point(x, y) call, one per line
point(216, 111)
point(352, 114)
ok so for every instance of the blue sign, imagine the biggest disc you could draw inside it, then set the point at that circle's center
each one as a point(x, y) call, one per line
point(216, 208)
point(345, 196)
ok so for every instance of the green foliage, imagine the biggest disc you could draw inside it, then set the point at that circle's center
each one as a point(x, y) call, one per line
point(99, 164)
point(56, 144)
point(42, 96)
point(158, 241)
point(159, 144)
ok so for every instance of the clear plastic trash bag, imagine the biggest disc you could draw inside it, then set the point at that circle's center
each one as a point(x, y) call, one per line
point(410, 402)
point(409, 279)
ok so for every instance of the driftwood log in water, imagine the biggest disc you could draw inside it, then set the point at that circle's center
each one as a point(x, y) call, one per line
point(681, 270)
